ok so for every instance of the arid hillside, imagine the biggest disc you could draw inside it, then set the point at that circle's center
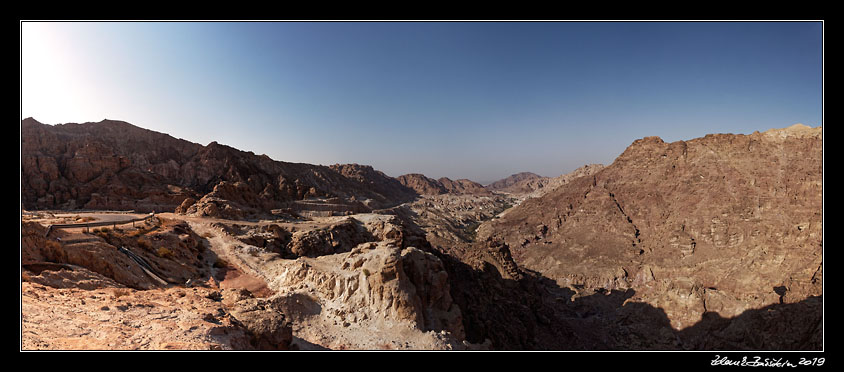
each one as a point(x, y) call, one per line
point(115, 165)
point(722, 224)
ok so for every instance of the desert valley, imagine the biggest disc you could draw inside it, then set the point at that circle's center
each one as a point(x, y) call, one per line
point(132, 239)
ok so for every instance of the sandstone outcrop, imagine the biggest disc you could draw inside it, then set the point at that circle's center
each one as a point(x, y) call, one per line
point(357, 282)
point(171, 249)
point(337, 238)
point(269, 328)
point(230, 200)
point(375, 284)
point(331, 236)
point(81, 291)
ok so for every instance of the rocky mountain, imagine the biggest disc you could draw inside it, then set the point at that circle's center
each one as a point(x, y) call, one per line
point(539, 187)
point(709, 244)
point(723, 224)
point(533, 185)
point(429, 186)
point(369, 178)
point(505, 184)
point(421, 184)
point(115, 165)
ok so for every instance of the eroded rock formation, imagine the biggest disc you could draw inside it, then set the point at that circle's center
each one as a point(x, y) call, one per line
point(81, 292)
point(378, 282)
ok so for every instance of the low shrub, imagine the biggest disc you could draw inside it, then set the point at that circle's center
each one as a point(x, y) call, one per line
point(163, 252)
point(220, 263)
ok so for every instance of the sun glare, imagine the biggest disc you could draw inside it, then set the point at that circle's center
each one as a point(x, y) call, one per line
point(50, 88)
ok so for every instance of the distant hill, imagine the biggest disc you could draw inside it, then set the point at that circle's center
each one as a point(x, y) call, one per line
point(421, 184)
point(507, 184)
point(539, 187)
point(531, 184)
point(429, 186)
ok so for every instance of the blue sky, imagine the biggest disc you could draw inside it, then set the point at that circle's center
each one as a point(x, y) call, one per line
point(477, 100)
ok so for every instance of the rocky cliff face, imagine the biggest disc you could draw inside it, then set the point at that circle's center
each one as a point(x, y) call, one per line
point(722, 224)
point(115, 165)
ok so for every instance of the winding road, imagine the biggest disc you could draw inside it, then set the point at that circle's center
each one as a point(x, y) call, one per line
point(100, 219)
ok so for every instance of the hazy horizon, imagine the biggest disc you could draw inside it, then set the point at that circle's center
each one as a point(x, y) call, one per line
point(476, 100)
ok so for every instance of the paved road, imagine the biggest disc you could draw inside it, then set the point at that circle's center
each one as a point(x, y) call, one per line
point(99, 219)
point(104, 217)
